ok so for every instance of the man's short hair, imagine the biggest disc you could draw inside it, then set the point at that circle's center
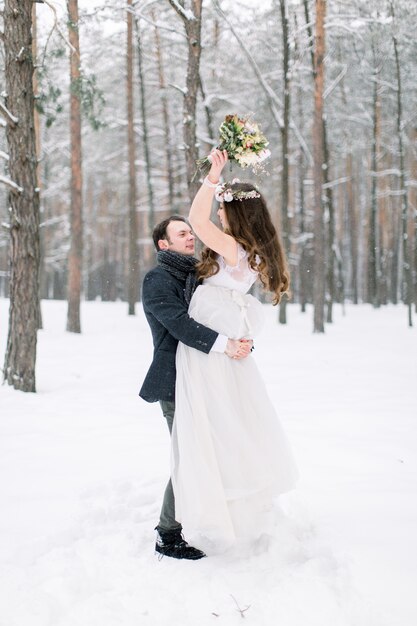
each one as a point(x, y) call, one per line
point(160, 230)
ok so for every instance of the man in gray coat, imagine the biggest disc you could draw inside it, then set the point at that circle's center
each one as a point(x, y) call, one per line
point(166, 293)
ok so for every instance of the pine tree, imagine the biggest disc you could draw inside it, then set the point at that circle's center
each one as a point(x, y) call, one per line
point(319, 239)
point(76, 249)
point(20, 360)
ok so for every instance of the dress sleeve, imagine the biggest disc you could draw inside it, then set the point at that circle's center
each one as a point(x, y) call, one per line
point(241, 272)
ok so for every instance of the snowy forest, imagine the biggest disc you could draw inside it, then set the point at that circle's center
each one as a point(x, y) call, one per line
point(126, 96)
point(105, 106)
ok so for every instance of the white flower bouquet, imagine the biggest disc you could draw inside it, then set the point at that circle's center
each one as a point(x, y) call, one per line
point(244, 142)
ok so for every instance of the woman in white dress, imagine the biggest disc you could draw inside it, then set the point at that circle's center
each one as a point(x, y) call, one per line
point(230, 456)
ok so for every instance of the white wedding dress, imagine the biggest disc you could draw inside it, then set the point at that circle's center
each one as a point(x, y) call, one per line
point(230, 456)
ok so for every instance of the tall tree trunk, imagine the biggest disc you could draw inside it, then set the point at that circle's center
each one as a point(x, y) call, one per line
point(406, 268)
point(285, 221)
point(20, 358)
point(319, 239)
point(209, 118)
point(38, 151)
point(133, 268)
point(36, 117)
point(166, 118)
point(151, 205)
point(309, 29)
point(373, 247)
point(216, 49)
point(413, 205)
point(331, 245)
point(326, 180)
point(320, 247)
point(76, 248)
point(192, 25)
point(350, 209)
point(302, 266)
point(353, 230)
point(89, 239)
point(302, 222)
point(382, 229)
point(394, 256)
point(362, 202)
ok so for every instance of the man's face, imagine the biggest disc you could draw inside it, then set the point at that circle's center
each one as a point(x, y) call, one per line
point(180, 238)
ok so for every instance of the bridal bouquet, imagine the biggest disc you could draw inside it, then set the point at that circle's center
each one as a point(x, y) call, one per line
point(244, 142)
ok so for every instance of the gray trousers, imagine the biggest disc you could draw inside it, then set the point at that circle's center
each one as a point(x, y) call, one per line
point(167, 519)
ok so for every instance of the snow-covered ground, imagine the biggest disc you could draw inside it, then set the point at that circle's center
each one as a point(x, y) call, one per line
point(84, 462)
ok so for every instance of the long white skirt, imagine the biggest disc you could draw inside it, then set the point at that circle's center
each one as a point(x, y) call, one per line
point(230, 456)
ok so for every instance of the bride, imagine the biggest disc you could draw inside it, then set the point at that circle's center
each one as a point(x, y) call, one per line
point(230, 456)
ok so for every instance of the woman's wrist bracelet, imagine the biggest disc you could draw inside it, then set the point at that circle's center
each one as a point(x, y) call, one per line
point(208, 183)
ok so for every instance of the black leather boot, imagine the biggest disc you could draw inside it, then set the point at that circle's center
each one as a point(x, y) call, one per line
point(172, 543)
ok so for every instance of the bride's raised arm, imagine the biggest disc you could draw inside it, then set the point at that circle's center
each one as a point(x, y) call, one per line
point(199, 216)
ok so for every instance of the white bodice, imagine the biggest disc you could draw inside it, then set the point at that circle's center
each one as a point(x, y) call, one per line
point(239, 277)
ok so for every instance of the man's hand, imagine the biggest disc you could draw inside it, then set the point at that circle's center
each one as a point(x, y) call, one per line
point(238, 349)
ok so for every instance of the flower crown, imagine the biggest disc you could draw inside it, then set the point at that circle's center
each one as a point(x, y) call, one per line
point(225, 193)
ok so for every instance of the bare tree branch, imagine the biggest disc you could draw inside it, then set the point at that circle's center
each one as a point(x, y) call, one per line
point(140, 14)
point(272, 98)
point(187, 16)
point(182, 90)
point(58, 28)
point(336, 81)
point(241, 611)
point(10, 118)
point(11, 184)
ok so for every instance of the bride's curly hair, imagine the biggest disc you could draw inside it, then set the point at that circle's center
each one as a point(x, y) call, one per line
point(249, 222)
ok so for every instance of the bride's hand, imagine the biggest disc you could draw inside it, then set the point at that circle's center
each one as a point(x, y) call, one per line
point(218, 160)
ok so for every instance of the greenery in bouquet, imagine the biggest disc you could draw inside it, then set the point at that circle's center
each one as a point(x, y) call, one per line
point(244, 142)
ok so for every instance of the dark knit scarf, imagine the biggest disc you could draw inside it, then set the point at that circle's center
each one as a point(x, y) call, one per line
point(182, 267)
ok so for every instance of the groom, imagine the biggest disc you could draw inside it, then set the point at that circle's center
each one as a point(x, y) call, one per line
point(166, 293)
